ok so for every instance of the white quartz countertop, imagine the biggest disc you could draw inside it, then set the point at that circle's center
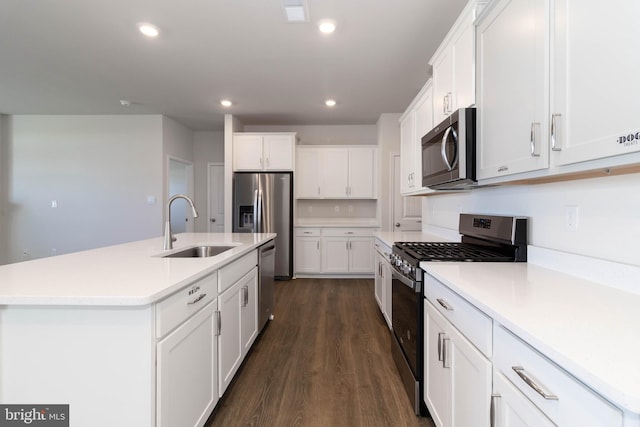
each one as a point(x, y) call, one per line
point(591, 330)
point(126, 274)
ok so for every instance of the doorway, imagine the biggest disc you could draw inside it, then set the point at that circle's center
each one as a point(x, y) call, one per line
point(215, 195)
point(180, 182)
point(407, 210)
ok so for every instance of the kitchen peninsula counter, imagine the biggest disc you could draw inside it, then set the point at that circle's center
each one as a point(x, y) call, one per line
point(133, 274)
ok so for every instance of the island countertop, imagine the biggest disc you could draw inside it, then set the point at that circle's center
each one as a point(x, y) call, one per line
point(129, 274)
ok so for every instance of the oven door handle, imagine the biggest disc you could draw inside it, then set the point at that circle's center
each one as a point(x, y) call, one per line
point(412, 284)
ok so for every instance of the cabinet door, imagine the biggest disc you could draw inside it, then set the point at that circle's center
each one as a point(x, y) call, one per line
point(361, 173)
point(249, 310)
point(386, 291)
point(278, 152)
point(229, 342)
point(512, 67)
point(361, 255)
point(512, 409)
point(187, 382)
point(463, 65)
point(471, 382)
point(308, 255)
point(308, 173)
point(335, 172)
point(335, 255)
point(408, 174)
point(442, 86)
point(437, 390)
point(595, 103)
point(247, 152)
point(377, 288)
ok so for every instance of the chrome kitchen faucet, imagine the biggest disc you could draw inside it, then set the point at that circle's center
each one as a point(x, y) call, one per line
point(168, 235)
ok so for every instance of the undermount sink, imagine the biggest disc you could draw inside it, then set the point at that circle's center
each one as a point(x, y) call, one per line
point(199, 252)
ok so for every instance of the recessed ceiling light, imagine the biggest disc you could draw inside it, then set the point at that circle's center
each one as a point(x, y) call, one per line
point(327, 26)
point(330, 102)
point(226, 103)
point(125, 103)
point(148, 29)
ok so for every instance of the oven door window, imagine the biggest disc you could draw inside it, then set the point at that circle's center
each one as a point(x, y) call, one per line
point(406, 301)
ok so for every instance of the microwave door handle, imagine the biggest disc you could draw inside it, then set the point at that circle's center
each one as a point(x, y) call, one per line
point(443, 150)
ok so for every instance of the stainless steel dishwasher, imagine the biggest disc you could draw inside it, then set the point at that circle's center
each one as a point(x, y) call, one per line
point(266, 267)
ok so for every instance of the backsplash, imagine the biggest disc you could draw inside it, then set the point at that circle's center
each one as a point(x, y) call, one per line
point(336, 209)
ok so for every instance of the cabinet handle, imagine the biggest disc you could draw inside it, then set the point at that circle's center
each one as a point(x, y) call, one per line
point(444, 104)
point(492, 410)
point(219, 322)
point(554, 132)
point(445, 353)
point(245, 296)
point(318, 190)
point(531, 383)
point(535, 126)
point(267, 161)
point(197, 299)
point(307, 232)
point(449, 98)
point(318, 244)
point(440, 356)
point(444, 304)
point(261, 162)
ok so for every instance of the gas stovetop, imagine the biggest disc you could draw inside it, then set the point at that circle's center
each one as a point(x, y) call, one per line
point(445, 251)
point(485, 238)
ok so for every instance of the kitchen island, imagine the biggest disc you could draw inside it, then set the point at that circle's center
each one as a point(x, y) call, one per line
point(121, 333)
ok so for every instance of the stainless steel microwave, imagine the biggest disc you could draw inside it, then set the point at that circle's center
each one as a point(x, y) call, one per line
point(449, 152)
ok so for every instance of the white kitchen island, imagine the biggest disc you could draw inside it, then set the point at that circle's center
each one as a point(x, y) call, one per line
point(125, 336)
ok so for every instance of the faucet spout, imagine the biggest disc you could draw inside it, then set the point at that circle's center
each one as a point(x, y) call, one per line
point(168, 235)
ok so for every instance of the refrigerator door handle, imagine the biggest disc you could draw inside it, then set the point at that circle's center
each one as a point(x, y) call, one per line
point(259, 218)
point(255, 211)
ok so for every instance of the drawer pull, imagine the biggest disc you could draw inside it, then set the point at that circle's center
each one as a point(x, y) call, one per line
point(531, 383)
point(444, 304)
point(197, 299)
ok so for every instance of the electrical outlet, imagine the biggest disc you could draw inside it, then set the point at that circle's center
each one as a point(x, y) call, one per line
point(571, 218)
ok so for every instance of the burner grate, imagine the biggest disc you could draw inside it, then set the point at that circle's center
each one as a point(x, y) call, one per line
point(447, 251)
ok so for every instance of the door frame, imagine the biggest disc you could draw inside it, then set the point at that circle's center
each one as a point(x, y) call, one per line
point(209, 213)
point(190, 178)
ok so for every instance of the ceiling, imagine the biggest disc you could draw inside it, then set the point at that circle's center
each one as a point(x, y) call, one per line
point(83, 57)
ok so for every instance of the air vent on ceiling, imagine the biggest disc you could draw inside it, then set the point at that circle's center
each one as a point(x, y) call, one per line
point(295, 10)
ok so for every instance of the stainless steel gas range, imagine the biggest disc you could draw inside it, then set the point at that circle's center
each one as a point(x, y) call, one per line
point(485, 238)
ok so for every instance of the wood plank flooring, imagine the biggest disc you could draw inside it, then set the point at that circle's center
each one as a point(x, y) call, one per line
point(324, 360)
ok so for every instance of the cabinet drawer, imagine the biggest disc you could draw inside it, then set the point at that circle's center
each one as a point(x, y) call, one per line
point(473, 323)
point(231, 273)
point(301, 232)
point(347, 232)
point(175, 309)
point(568, 401)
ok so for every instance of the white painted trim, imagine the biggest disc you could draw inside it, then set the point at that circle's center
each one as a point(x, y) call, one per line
point(190, 186)
point(209, 164)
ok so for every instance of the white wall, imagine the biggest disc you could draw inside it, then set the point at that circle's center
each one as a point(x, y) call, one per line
point(99, 169)
point(388, 143)
point(608, 214)
point(325, 135)
point(208, 147)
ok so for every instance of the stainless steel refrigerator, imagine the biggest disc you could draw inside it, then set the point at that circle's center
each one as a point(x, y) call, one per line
point(262, 203)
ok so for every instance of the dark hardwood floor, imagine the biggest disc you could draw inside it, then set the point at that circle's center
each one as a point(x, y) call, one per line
point(324, 360)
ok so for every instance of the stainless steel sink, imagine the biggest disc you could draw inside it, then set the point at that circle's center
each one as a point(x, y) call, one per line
point(199, 252)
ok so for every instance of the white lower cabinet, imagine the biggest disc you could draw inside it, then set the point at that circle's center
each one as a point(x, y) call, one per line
point(458, 376)
point(238, 326)
point(383, 280)
point(510, 408)
point(334, 251)
point(187, 367)
point(561, 398)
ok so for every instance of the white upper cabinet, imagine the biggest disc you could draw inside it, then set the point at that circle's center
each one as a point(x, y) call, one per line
point(263, 151)
point(556, 95)
point(334, 172)
point(512, 114)
point(594, 102)
point(414, 124)
point(454, 66)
